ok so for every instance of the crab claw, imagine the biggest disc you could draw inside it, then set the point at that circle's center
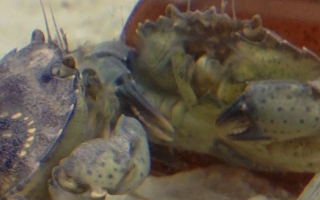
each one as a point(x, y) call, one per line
point(277, 110)
point(105, 72)
point(133, 101)
point(239, 113)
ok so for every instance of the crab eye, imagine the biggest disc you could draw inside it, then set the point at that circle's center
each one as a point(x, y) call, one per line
point(65, 68)
point(69, 62)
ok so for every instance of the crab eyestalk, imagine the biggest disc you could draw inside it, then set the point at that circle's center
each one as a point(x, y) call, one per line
point(278, 110)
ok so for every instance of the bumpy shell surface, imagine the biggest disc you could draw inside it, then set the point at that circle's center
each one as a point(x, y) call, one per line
point(35, 108)
point(238, 52)
point(246, 49)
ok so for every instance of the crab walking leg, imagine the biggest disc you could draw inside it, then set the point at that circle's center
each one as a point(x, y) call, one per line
point(312, 191)
point(115, 165)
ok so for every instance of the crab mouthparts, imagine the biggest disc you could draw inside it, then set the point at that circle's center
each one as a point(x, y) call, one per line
point(148, 115)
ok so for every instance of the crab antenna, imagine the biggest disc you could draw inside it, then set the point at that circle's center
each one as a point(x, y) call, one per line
point(65, 41)
point(56, 28)
point(46, 22)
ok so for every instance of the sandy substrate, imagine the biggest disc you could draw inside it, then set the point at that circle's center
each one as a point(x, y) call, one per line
point(82, 20)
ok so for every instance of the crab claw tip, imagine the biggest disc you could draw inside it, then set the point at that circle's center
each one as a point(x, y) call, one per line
point(143, 110)
point(236, 111)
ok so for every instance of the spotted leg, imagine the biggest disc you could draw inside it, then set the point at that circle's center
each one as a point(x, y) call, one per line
point(115, 165)
point(312, 191)
point(274, 110)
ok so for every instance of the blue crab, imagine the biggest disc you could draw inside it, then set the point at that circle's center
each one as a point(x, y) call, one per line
point(64, 133)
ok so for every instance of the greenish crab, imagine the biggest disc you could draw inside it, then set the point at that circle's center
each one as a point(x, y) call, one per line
point(231, 88)
point(196, 75)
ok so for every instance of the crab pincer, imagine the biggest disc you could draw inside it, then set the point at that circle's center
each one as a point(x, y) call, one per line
point(274, 110)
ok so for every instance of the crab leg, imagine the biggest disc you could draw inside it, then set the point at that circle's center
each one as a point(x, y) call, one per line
point(312, 191)
point(102, 166)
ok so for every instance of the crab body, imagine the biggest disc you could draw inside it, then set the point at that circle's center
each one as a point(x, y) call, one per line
point(200, 63)
point(36, 108)
point(206, 61)
point(48, 120)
